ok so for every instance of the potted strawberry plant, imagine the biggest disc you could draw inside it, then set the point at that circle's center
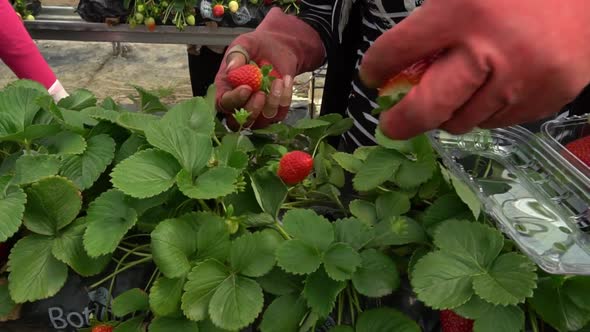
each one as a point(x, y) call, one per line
point(253, 229)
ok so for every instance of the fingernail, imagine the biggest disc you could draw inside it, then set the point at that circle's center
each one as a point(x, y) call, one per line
point(231, 65)
point(244, 93)
point(288, 80)
point(277, 87)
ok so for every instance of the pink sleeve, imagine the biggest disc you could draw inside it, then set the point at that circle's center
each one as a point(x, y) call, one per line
point(18, 50)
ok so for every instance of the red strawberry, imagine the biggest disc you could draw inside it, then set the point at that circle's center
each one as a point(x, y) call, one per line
point(273, 73)
point(218, 10)
point(268, 2)
point(150, 23)
point(451, 322)
point(397, 87)
point(102, 328)
point(246, 75)
point(295, 166)
point(581, 149)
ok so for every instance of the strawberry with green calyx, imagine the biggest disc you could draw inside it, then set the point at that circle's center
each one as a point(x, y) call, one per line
point(150, 23)
point(394, 90)
point(218, 10)
point(257, 78)
point(581, 149)
point(294, 167)
point(451, 322)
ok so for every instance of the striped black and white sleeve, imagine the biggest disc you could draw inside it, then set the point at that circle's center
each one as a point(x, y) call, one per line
point(327, 17)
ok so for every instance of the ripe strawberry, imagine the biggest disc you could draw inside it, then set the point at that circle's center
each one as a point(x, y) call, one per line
point(102, 328)
point(246, 75)
point(150, 23)
point(233, 6)
point(397, 87)
point(294, 167)
point(451, 322)
point(268, 2)
point(581, 149)
point(218, 10)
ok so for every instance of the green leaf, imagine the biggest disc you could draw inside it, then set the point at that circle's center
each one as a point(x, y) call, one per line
point(236, 303)
point(129, 302)
point(232, 145)
point(278, 282)
point(442, 281)
point(31, 168)
point(167, 324)
point(295, 256)
point(132, 144)
point(397, 231)
point(213, 238)
point(284, 314)
point(68, 247)
point(339, 127)
point(557, 303)
point(478, 243)
point(442, 209)
point(380, 166)
point(341, 261)
point(214, 183)
point(403, 146)
point(146, 173)
point(6, 303)
point(45, 212)
point(491, 318)
point(132, 325)
point(78, 100)
point(208, 326)
point(65, 143)
point(385, 319)
point(253, 254)
point(192, 150)
point(310, 123)
point(99, 113)
point(467, 195)
point(411, 174)
point(33, 132)
point(321, 291)
point(312, 229)
point(342, 328)
point(174, 242)
point(194, 113)
point(12, 208)
point(165, 296)
point(148, 102)
point(510, 280)
point(203, 281)
point(136, 121)
point(258, 220)
point(34, 273)
point(392, 204)
point(377, 276)
point(85, 169)
point(270, 191)
point(364, 211)
point(17, 109)
point(348, 162)
point(110, 214)
point(352, 231)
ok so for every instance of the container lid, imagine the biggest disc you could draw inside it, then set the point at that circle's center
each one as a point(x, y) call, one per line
point(537, 196)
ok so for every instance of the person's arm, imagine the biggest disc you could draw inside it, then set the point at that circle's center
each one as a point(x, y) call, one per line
point(21, 55)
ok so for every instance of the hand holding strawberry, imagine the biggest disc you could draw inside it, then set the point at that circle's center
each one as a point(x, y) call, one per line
point(494, 70)
point(290, 45)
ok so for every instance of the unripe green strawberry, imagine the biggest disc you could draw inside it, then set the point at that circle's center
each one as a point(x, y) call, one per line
point(190, 20)
point(233, 6)
point(295, 167)
point(138, 18)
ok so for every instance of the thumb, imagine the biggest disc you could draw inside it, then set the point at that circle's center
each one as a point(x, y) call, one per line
point(236, 57)
point(425, 32)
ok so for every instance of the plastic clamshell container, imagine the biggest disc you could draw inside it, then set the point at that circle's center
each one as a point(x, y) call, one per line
point(539, 196)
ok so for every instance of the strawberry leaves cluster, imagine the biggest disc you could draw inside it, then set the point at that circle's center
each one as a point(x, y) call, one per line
point(253, 227)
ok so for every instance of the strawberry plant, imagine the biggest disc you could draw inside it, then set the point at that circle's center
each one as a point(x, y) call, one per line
point(270, 228)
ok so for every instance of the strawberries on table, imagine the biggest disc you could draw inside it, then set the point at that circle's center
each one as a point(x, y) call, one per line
point(397, 87)
point(295, 167)
point(581, 149)
point(451, 322)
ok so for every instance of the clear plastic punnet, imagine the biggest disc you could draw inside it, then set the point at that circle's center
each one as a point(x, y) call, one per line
point(535, 189)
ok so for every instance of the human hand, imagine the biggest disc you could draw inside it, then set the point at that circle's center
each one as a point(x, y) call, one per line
point(504, 62)
point(290, 46)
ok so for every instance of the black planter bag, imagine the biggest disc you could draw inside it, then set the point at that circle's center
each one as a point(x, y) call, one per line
point(99, 11)
point(70, 309)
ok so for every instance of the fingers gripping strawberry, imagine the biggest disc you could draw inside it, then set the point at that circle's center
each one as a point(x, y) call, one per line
point(257, 78)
